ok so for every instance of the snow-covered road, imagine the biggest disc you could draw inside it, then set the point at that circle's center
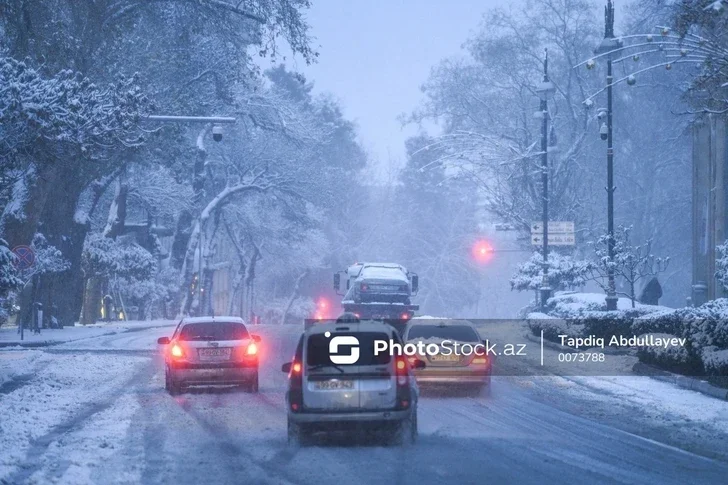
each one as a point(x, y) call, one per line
point(95, 411)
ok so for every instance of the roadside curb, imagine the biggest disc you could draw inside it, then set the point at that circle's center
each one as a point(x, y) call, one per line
point(564, 348)
point(51, 343)
point(685, 382)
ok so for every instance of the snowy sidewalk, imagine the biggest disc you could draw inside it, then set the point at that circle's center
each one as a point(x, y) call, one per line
point(10, 338)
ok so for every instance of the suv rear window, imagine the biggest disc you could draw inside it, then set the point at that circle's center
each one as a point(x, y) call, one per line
point(317, 348)
point(461, 333)
point(213, 331)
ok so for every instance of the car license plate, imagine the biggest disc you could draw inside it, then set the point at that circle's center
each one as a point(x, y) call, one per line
point(213, 354)
point(333, 385)
point(385, 287)
point(445, 358)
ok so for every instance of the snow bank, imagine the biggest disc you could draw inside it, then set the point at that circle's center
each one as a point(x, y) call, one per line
point(10, 335)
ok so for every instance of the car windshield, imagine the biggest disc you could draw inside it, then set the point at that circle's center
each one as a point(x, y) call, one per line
point(461, 333)
point(213, 331)
point(318, 351)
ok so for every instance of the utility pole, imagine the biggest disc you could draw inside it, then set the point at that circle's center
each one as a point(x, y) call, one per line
point(545, 91)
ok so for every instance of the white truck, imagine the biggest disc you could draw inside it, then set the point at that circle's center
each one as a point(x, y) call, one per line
point(378, 291)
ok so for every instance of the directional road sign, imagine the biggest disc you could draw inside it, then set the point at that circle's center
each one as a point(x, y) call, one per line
point(555, 227)
point(554, 239)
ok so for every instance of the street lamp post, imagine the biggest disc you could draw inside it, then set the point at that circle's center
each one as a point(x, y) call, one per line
point(608, 45)
point(545, 91)
point(673, 49)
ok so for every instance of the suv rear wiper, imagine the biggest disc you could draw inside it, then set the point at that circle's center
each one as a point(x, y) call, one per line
point(320, 366)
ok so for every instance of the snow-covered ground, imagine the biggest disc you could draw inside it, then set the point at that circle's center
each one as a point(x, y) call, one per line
point(55, 391)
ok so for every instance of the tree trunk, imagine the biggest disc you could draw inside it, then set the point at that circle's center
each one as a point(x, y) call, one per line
point(250, 279)
point(294, 295)
point(236, 289)
point(90, 311)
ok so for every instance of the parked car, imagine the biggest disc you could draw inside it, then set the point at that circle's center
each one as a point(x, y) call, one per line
point(210, 351)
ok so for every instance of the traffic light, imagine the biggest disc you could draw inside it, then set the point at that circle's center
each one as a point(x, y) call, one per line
point(482, 251)
point(322, 308)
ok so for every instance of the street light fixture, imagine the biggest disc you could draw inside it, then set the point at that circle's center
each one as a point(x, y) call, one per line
point(675, 49)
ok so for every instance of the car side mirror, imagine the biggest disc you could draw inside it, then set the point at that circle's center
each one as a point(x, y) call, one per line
point(163, 340)
point(415, 283)
point(286, 367)
point(337, 281)
point(256, 338)
point(419, 364)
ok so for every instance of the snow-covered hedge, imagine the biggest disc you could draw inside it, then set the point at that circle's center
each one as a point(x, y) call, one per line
point(704, 326)
point(553, 327)
point(585, 314)
point(706, 330)
point(715, 362)
point(674, 358)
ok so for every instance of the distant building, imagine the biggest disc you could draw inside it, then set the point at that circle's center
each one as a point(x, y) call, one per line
point(710, 203)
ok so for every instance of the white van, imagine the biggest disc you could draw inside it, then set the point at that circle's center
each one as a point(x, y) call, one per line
point(336, 382)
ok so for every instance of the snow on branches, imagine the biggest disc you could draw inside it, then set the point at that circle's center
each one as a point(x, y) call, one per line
point(67, 110)
point(8, 275)
point(106, 257)
point(721, 264)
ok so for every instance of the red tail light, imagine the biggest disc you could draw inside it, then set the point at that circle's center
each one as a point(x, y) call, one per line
point(295, 391)
point(479, 361)
point(252, 350)
point(405, 316)
point(364, 287)
point(176, 351)
point(401, 368)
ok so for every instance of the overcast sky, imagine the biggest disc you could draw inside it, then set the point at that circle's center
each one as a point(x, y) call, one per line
point(375, 54)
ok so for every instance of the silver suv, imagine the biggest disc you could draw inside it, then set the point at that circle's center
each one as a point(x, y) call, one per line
point(210, 351)
point(336, 382)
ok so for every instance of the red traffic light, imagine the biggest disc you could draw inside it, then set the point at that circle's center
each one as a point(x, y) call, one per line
point(482, 251)
point(322, 303)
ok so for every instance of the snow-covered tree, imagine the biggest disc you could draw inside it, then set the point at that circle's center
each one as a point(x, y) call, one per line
point(9, 280)
point(631, 262)
point(721, 264)
point(707, 23)
point(486, 102)
point(565, 273)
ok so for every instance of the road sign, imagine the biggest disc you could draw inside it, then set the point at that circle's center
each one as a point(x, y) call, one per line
point(25, 257)
point(554, 239)
point(555, 227)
